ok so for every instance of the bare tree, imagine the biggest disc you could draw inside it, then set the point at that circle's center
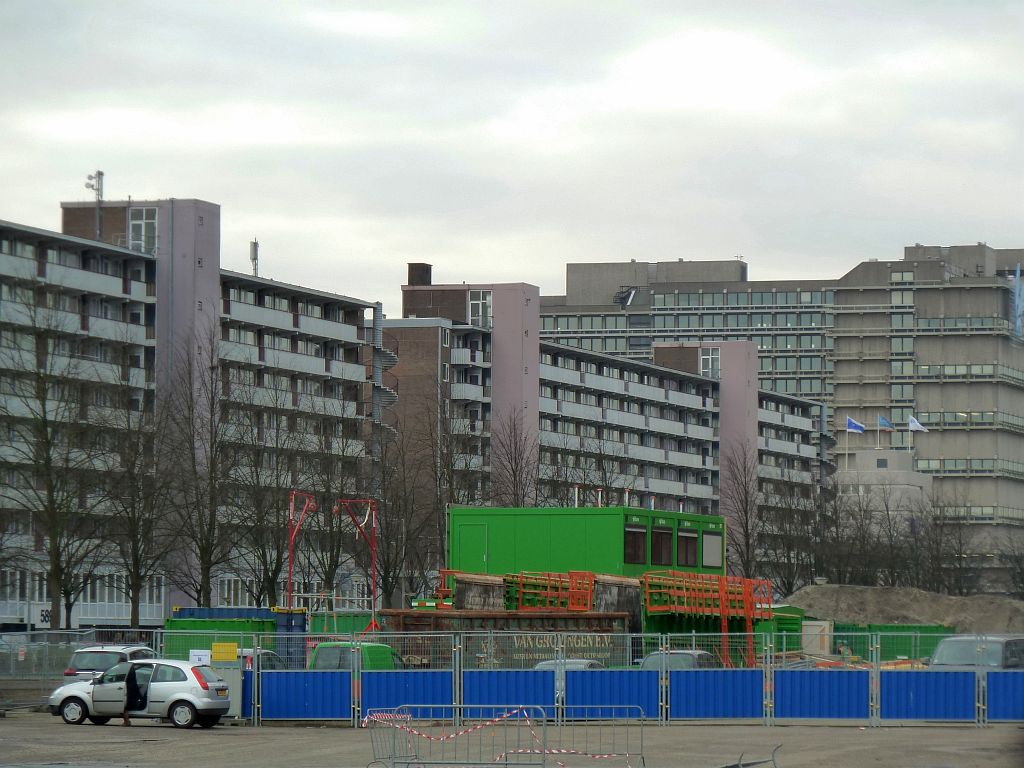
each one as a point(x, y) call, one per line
point(200, 456)
point(332, 471)
point(55, 463)
point(138, 496)
point(403, 516)
point(787, 552)
point(1012, 558)
point(264, 443)
point(514, 461)
point(741, 505)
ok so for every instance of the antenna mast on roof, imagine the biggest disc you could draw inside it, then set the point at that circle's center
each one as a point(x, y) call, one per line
point(254, 256)
point(95, 182)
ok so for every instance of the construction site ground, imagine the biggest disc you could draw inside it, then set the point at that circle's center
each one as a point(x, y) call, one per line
point(37, 739)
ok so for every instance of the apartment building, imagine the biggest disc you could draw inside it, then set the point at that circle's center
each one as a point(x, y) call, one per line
point(608, 429)
point(935, 336)
point(77, 361)
point(298, 374)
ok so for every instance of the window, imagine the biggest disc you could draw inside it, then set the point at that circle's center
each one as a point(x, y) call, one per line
point(902, 277)
point(635, 544)
point(901, 345)
point(480, 308)
point(166, 674)
point(902, 391)
point(142, 229)
point(901, 320)
point(710, 362)
point(686, 548)
point(901, 297)
point(661, 546)
point(447, 372)
point(711, 547)
point(446, 338)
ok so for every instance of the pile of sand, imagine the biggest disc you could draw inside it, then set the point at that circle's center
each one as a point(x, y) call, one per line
point(904, 605)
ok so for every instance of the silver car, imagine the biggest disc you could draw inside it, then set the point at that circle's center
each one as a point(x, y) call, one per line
point(182, 692)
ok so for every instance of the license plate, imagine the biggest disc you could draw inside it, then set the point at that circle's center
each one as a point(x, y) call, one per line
point(222, 693)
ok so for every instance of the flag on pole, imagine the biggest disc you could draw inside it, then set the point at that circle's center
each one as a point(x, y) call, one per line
point(884, 425)
point(854, 426)
point(916, 426)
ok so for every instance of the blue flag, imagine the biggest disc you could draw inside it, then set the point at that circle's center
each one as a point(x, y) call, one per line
point(854, 426)
point(885, 425)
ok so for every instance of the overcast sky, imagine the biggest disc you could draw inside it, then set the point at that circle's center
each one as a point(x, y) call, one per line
point(500, 140)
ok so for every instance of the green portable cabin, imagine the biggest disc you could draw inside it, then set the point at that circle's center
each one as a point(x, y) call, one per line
point(623, 541)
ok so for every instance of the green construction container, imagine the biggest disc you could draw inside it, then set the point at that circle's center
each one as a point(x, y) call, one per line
point(184, 635)
point(908, 641)
point(339, 622)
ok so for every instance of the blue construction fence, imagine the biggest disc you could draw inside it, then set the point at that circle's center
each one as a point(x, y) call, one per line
point(663, 678)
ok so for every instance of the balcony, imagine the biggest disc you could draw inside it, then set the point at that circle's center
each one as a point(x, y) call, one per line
point(665, 426)
point(464, 391)
point(561, 375)
point(625, 419)
point(479, 427)
point(580, 411)
point(85, 281)
point(466, 356)
point(686, 399)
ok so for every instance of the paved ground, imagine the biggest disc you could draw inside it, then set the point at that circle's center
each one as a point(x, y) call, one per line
point(36, 739)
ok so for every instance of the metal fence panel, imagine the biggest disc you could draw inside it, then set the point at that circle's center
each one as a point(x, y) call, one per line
point(387, 690)
point(716, 693)
point(604, 693)
point(824, 694)
point(1005, 695)
point(498, 686)
point(923, 695)
point(289, 695)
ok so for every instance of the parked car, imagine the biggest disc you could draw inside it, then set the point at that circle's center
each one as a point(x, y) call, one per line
point(339, 655)
point(180, 691)
point(561, 666)
point(978, 651)
point(87, 661)
point(670, 661)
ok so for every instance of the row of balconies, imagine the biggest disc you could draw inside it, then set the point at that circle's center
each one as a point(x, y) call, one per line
point(248, 354)
point(283, 320)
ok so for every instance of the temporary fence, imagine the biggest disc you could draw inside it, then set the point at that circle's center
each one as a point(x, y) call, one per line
point(869, 678)
point(500, 735)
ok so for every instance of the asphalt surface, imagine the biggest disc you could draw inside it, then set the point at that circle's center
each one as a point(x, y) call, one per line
point(38, 739)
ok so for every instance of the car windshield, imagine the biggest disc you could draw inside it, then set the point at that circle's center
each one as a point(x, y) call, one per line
point(89, 661)
point(333, 657)
point(968, 651)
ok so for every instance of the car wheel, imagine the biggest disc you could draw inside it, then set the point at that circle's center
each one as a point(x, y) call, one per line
point(208, 721)
point(73, 711)
point(182, 714)
point(98, 720)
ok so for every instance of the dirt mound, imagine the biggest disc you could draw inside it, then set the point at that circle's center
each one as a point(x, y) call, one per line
point(903, 605)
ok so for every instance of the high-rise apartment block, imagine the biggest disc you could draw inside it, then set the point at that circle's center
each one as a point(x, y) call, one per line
point(127, 323)
point(934, 336)
point(605, 429)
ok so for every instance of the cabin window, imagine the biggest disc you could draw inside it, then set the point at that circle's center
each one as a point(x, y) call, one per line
point(661, 546)
point(711, 546)
point(686, 549)
point(635, 544)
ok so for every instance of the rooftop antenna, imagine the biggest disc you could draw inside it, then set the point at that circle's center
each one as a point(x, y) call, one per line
point(95, 181)
point(254, 256)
